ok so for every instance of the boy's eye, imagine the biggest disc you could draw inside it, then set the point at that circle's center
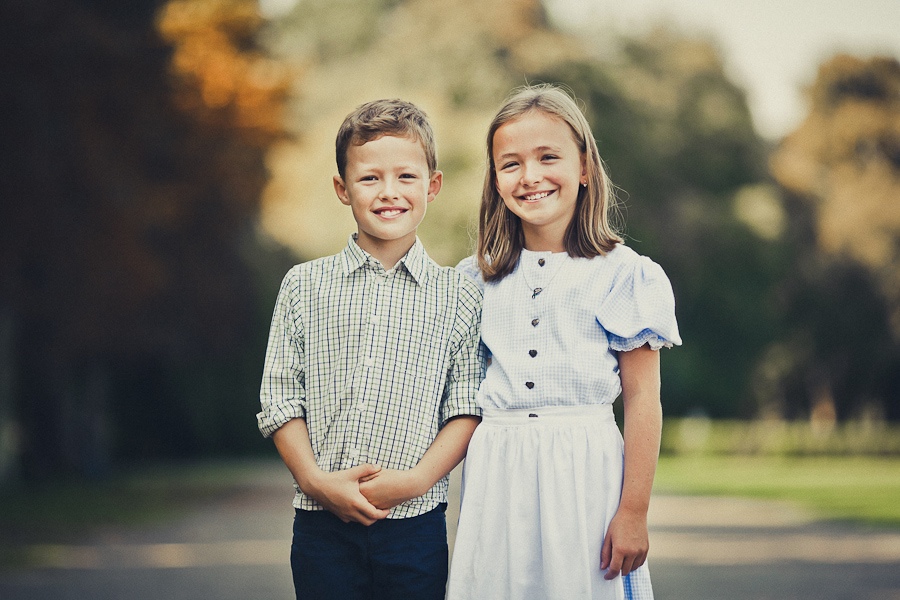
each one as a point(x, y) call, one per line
point(367, 178)
point(407, 176)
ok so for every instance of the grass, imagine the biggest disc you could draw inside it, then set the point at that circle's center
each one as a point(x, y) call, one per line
point(862, 489)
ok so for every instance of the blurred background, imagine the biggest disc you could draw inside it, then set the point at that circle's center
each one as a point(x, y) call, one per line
point(165, 162)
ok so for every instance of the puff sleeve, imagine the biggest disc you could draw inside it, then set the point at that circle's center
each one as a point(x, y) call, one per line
point(639, 307)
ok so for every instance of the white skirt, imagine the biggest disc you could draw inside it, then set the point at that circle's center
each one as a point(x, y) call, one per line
point(540, 487)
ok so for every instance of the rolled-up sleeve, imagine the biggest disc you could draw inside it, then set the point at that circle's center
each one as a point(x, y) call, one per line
point(282, 393)
point(468, 360)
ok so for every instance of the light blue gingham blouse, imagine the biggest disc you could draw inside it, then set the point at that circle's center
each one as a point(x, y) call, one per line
point(554, 326)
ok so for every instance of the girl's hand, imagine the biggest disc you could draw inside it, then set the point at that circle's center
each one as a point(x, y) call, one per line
point(389, 487)
point(626, 544)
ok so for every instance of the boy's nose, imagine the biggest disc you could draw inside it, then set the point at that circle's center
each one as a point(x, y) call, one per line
point(389, 191)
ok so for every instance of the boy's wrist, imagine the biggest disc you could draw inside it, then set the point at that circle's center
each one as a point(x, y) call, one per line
point(309, 481)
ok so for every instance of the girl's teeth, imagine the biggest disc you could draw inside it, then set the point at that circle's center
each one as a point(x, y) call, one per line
point(537, 196)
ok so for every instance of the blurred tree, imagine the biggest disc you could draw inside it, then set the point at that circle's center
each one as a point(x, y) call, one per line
point(127, 231)
point(841, 173)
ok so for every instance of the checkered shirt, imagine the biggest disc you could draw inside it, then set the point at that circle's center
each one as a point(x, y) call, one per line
point(376, 361)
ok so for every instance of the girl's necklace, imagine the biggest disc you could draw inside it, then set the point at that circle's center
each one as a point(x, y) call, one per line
point(542, 262)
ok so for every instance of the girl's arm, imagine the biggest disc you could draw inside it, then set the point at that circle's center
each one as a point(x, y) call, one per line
point(627, 542)
point(390, 487)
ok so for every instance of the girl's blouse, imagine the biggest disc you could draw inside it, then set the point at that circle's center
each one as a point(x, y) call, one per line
point(555, 324)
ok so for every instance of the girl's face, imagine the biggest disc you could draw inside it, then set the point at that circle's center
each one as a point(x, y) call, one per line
point(539, 169)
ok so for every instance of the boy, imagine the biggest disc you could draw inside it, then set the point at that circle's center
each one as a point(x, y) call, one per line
point(372, 367)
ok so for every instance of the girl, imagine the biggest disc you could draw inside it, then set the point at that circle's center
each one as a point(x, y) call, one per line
point(571, 317)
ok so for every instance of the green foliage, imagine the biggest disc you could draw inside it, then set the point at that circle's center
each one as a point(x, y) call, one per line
point(774, 437)
point(841, 488)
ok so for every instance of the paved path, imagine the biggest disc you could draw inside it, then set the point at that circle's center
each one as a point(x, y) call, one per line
point(237, 548)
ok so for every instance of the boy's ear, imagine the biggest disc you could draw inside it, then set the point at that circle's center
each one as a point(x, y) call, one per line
point(434, 186)
point(341, 190)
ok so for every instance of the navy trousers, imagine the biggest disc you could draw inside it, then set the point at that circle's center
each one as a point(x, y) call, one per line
point(390, 559)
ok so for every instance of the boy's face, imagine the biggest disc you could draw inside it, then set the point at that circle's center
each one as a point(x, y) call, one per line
point(387, 185)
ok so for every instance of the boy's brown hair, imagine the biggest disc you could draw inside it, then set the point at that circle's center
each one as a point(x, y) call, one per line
point(378, 118)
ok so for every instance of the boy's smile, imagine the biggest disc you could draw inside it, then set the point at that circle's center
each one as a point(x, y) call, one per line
point(388, 186)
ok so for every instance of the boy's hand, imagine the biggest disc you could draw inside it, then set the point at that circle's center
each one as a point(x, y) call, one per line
point(387, 488)
point(339, 493)
point(626, 544)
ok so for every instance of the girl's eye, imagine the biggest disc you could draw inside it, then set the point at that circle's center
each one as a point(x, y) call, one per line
point(549, 157)
point(508, 165)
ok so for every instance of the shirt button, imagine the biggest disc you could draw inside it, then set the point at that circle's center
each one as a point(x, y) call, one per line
point(373, 319)
point(532, 353)
point(534, 322)
point(369, 362)
point(361, 406)
point(541, 262)
point(529, 384)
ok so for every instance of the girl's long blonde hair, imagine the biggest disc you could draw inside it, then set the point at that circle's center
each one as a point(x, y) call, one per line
point(589, 234)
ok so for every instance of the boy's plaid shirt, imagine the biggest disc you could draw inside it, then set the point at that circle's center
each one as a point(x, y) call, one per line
point(375, 361)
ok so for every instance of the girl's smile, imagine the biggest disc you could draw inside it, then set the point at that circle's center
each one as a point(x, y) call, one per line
point(536, 197)
point(539, 169)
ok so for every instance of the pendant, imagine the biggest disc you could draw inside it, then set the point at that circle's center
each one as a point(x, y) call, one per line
point(536, 292)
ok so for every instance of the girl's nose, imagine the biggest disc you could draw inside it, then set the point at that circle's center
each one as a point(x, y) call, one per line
point(530, 175)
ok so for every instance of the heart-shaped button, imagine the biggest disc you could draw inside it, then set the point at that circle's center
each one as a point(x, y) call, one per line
point(529, 384)
point(532, 353)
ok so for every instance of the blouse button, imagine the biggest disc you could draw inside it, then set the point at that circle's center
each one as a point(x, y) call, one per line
point(532, 353)
point(529, 384)
point(534, 322)
point(541, 262)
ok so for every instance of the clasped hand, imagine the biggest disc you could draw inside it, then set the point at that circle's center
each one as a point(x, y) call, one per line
point(364, 494)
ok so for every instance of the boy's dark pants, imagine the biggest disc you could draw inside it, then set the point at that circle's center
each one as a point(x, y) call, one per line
point(392, 558)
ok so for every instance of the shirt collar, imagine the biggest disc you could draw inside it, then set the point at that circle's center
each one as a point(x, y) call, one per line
point(415, 261)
